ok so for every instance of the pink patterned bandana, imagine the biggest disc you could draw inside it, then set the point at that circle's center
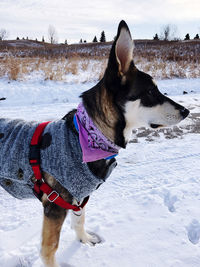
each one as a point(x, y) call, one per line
point(94, 144)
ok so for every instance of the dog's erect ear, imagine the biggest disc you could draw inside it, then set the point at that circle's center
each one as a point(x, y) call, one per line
point(124, 47)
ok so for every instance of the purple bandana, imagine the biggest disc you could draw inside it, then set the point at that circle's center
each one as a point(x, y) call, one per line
point(94, 144)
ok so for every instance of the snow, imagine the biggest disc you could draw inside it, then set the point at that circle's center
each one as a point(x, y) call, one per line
point(148, 210)
point(177, 86)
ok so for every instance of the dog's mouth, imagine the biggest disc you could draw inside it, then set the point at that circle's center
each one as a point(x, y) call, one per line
point(155, 126)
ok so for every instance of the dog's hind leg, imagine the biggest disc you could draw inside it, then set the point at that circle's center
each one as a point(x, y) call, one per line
point(52, 225)
point(77, 223)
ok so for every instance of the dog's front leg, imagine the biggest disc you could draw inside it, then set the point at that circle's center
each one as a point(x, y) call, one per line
point(50, 237)
point(77, 223)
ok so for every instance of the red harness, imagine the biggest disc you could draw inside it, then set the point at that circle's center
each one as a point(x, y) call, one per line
point(40, 186)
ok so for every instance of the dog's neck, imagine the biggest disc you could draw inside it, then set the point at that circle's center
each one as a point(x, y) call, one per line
point(99, 106)
point(95, 145)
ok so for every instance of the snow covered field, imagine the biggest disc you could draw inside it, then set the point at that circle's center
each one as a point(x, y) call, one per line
point(147, 212)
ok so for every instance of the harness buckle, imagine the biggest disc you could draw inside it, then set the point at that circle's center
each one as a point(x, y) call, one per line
point(78, 212)
point(54, 198)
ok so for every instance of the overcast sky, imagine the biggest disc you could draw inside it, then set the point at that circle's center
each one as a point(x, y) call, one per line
point(78, 19)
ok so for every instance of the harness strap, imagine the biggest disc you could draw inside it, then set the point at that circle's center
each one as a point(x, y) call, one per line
point(40, 186)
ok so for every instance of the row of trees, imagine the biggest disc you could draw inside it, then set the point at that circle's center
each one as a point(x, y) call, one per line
point(52, 35)
point(102, 39)
point(168, 32)
point(187, 37)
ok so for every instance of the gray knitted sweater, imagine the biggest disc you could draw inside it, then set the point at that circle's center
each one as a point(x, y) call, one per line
point(62, 158)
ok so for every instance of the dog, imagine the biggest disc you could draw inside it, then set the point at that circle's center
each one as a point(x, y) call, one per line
point(124, 99)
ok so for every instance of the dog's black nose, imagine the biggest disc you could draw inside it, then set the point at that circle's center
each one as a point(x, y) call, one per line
point(184, 112)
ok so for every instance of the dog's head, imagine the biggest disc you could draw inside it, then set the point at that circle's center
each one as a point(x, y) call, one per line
point(135, 94)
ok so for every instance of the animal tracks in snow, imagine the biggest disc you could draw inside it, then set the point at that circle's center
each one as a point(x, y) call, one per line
point(169, 201)
point(193, 231)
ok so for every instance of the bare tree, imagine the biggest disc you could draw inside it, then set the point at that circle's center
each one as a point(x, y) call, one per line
point(168, 32)
point(3, 34)
point(52, 34)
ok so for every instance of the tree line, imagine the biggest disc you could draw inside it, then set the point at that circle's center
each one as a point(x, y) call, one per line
point(187, 37)
point(52, 36)
point(168, 32)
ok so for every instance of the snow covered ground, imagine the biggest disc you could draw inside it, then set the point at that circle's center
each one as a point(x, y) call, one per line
point(147, 212)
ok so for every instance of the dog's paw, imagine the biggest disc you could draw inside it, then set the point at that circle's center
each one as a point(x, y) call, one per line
point(90, 238)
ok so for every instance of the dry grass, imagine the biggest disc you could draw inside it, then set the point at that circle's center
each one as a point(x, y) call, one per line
point(167, 69)
point(87, 62)
point(169, 59)
point(10, 67)
point(16, 68)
